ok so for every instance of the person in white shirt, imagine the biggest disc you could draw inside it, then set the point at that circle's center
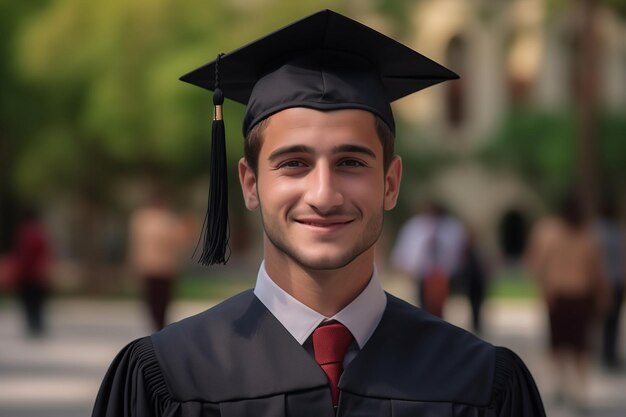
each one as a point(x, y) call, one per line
point(429, 247)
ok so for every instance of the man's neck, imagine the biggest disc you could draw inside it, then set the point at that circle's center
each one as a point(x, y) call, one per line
point(325, 291)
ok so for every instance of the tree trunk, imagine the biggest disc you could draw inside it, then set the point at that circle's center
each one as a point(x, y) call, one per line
point(587, 63)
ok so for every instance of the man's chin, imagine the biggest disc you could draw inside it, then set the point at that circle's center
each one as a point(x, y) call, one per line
point(316, 256)
point(323, 263)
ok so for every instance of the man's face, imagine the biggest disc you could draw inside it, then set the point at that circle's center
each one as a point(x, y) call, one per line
point(321, 187)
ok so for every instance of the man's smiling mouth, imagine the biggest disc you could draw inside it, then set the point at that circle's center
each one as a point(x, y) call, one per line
point(324, 223)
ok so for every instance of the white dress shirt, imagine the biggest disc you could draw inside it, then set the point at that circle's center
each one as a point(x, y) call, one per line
point(413, 250)
point(361, 316)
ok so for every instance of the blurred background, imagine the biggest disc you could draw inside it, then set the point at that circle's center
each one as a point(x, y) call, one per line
point(103, 150)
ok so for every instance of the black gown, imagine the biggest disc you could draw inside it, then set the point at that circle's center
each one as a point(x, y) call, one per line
point(236, 359)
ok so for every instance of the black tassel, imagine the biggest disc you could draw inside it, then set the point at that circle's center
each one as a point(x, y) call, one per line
point(216, 228)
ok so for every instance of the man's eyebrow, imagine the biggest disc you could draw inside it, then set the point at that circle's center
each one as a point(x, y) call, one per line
point(346, 148)
point(290, 149)
point(354, 149)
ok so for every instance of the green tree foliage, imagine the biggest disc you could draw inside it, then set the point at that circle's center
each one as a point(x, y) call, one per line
point(18, 105)
point(557, 6)
point(618, 5)
point(109, 103)
point(589, 138)
point(538, 146)
point(612, 152)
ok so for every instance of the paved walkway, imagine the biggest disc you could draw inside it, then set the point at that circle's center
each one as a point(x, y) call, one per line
point(59, 375)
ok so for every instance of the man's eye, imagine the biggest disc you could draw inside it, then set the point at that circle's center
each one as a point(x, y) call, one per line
point(292, 164)
point(352, 163)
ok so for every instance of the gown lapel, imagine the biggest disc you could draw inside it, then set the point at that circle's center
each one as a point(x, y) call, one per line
point(235, 351)
point(413, 356)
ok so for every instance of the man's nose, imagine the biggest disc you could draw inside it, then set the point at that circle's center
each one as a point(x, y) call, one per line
point(323, 189)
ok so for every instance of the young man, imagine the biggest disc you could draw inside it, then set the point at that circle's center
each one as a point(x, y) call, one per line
point(318, 336)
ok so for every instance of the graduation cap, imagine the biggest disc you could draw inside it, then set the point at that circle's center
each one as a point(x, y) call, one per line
point(325, 61)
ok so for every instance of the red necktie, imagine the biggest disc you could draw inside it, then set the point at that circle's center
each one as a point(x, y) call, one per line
point(330, 344)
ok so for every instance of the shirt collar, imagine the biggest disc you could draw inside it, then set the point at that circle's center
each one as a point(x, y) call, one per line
point(361, 316)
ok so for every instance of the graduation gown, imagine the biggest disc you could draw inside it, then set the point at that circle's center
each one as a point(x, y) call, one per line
point(236, 360)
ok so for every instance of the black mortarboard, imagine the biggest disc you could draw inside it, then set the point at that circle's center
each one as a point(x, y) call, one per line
point(325, 61)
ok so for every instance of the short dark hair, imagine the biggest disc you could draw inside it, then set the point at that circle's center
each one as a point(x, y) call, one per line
point(254, 141)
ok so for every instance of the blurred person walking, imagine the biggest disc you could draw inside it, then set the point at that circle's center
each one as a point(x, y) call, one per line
point(613, 249)
point(564, 257)
point(157, 239)
point(428, 249)
point(31, 264)
point(473, 275)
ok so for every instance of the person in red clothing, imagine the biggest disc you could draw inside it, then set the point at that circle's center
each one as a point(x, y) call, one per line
point(31, 257)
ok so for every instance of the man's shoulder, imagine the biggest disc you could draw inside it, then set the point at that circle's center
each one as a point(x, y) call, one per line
point(226, 308)
point(409, 344)
point(208, 321)
point(230, 351)
point(194, 348)
point(415, 323)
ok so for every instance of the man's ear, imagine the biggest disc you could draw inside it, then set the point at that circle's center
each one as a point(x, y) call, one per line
point(392, 182)
point(247, 178)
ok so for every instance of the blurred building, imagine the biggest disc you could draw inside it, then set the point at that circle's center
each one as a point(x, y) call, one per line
point(509, 54)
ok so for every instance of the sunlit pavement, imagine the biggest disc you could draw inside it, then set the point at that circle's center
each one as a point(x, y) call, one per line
point(58, 375)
